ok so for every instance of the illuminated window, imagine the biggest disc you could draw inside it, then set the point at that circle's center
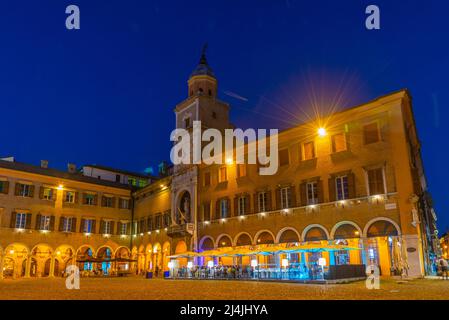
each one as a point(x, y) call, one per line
point(308, 150)
point(44, 223)
point(371, 133)
point(66, 224)
point(223, 174)
point(241, 170)
point(285, 197)
point(283, 157)
point(339, 142)
point(124, 203)
point(312, 192)
point(47, 194)
point(376, 181)
point(132, 181)
point(341, 186)
point(88, 226)
point(21, 219)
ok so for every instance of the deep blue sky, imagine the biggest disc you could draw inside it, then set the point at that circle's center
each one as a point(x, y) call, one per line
point(105, 94)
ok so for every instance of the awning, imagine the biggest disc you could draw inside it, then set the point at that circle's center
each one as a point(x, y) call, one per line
point(264, 251)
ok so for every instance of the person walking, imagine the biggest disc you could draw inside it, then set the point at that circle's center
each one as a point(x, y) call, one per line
point(444, 266)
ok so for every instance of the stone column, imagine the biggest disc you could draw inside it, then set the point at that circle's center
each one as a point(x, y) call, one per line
point(28, 267)
point(52, 267)
point(1, 267)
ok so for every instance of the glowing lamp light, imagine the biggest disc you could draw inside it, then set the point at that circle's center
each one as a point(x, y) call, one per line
point(206, 222)
point(254, 263)
point(356, 233)
point(210, 264)
point(223, 220)
point(284, 263)
point(322, 262)
point(157, 231)
point(58, 253)
point(60, 187)
point(229, 161)
point(166, 229)
point(87, 234)
point(190, 264)
point(241, 217)
point(322, 132)
point(262, 214)
point(170, 265)
point(141, 234)
point(11, 251)
point(149, 232)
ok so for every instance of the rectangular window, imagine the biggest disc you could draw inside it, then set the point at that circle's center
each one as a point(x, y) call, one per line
point(2, 186)
point(341, 188)
point(167, 219)
point(241, 170)
point(88, 224)
point(308, 150)
point(158, 221)
point(371, 133)
point(107, 226)
point(47, 194)
point(312, 193)
point(25, 190)
point(150, 223)
point(241, 208)
point(339, 142)
point(187, 123)
point(223, 208)
point(21, 219)
point(70, 197)
point(107, 202)
point(283, 157)
point(262, 200)
point(223, 174)
point(124, 203)
point(285, 198)
point(124, 228)
point(117, 178)
point(67, 224)
point(131, 181)
point(44, 223)
point(207, 179)
point(89, 199)
point(376, 181)
point(142, 183)
point(206, 211)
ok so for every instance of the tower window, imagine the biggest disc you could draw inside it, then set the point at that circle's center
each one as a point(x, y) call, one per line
point(187, 123)
point(214, 115)
point(210, 92)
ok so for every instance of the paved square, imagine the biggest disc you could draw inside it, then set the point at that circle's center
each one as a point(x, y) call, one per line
point(139, 288)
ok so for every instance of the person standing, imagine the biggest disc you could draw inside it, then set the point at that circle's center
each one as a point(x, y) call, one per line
point(444, 266)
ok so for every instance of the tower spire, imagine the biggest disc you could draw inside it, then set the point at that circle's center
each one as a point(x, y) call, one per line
point(203, 59)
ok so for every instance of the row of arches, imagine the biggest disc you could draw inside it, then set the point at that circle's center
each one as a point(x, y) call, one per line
point(17, 260)
point(315, 232)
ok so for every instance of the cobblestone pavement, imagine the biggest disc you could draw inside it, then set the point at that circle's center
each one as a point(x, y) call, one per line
point(139, 288)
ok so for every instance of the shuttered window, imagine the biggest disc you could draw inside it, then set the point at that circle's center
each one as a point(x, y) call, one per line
point(124, 228)
point(285, 197)
point(241, 170)
point(107, 227)
point(224, 208)
point(308, 150)
point(67, 224)
point(283, 157)
point(376, 181)
point(338, 142)
point(312, 192)
point(262, 201)
point(4, 186)
point(20, 220)
point(43, 222)
point(70, 197)
point(206, 211)
point(223, 174)
point(242, 205)
point(371, 133)
point(341, 187)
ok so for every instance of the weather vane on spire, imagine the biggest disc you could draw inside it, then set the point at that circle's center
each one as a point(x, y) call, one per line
point(203, 54)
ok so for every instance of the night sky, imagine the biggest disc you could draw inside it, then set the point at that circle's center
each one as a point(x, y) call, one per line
point(105, 94)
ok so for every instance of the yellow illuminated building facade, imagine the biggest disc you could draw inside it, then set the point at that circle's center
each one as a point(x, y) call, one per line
point(357, 181)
